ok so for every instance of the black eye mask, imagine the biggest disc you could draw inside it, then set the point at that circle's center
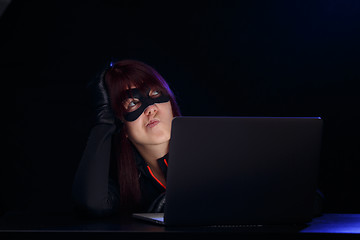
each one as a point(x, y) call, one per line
point(145, 102)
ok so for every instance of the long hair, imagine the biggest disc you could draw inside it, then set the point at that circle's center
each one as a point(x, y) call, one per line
point(121, 76)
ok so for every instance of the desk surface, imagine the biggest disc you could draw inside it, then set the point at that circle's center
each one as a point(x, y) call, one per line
point(327, 225)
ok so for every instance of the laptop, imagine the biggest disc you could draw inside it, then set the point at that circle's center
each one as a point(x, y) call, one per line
point(241, 171)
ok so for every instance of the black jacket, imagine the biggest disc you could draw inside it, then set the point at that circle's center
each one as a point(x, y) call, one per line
point(95, 192)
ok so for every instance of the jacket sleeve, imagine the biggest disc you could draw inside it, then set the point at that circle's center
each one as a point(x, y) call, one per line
point(92, 190)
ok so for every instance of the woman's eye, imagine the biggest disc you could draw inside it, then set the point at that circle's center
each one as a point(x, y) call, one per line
point(155, 93)
point(132, 105)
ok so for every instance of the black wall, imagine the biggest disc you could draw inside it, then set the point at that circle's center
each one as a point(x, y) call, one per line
point(232, 58)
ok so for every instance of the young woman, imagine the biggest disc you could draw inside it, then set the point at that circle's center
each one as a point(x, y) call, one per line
point(123, 167)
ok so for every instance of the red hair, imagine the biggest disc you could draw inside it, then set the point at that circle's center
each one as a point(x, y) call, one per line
point(120, 77)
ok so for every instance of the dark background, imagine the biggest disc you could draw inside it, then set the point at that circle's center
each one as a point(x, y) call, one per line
point(221, 58)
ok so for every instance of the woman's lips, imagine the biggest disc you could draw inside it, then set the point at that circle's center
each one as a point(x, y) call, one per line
point(152, 123)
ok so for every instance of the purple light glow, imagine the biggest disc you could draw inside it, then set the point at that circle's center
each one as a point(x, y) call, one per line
point(335, 223)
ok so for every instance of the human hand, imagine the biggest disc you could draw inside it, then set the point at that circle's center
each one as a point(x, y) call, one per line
point(158, 204)
point(103, 113)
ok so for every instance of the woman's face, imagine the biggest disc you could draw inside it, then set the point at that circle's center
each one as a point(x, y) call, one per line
point(153, 126)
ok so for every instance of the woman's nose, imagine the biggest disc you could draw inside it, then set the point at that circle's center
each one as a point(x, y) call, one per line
point(152, 109)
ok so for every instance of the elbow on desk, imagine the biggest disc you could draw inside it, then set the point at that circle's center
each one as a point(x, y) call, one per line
point(95, 209)
point(86, 205)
